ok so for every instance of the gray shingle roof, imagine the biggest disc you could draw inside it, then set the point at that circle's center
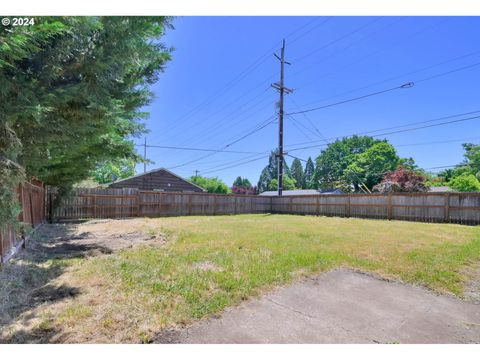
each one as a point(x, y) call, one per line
point(301, 192)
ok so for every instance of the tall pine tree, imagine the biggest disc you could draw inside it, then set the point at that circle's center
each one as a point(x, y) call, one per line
point(271, 172)
point(308, 174)
point(297, 173)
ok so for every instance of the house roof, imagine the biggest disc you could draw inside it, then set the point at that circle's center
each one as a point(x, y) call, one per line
point(302, 192)
point(440, 189)
point(154, 171)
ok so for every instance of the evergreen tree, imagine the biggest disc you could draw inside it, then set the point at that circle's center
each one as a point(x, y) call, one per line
point(308, 175)
point(271, 172)
point(242, 182)
point(72, 90)
point(297, 174)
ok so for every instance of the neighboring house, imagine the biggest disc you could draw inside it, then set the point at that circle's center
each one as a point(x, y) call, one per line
point(157, 180)
point(303, 192)
point(440, 189)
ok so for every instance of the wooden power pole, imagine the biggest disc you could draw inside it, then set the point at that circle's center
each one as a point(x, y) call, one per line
point(282, 90)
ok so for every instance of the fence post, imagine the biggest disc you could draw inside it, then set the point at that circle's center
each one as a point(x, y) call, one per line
point(389, 207)
point(447, 207)
point(138, 203)
point(214, 204)
point(94, 206)
point(348, 206)
point(190, 204)
point(317, 205)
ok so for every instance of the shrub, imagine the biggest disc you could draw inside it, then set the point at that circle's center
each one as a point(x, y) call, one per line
point(401, 180)
point(465, 182)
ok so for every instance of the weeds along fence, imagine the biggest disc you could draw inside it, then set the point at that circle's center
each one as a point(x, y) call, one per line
point(119, 203)
point(462, 208)
point(31, 196)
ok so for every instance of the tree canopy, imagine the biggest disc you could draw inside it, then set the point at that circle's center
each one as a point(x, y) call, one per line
point(243, 186)
point(465, 183)
point(112, 170)
point(309, 174)
point(211, 184)
point(72, 90)
point(355, 162)
point(288, 184)
point(367, 168)
point(296, 171)
point(270, 172)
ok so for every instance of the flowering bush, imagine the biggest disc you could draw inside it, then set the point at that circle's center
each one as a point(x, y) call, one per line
point(401, 180)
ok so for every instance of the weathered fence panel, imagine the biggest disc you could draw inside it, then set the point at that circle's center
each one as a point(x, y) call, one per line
point(461, 208)
point(119, 203)
point(31, 196)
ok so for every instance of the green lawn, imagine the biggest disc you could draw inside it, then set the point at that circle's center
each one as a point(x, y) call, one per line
point(209, 263)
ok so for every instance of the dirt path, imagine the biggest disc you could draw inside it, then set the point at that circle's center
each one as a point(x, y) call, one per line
point(38, 281)
point(341, 306)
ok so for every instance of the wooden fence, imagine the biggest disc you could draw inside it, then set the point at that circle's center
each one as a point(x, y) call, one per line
point(462, 208)
point(119, 203)
point(31, 196)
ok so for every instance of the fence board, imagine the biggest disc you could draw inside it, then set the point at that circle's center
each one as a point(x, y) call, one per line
point(31, 196)
point(461, 208)
point(429, 207)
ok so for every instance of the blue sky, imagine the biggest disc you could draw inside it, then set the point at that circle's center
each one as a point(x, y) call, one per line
point(217, 88)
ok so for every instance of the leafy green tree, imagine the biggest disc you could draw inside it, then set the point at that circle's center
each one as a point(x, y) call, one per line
point(72, 90)
point(445, 175)
point(465, 183)
point(271, 172)
point(297, 173)
point(472, 155)
point(288, 184)
point(211, 184)
point(112, 170)
point(333, 161)
point(309, 174)
point(368, 167)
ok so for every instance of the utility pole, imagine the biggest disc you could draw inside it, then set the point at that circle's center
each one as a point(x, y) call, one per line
point(283, 90)
point(145, 156)
point(196, 173)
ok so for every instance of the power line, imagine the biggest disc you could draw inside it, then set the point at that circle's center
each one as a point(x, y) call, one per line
point(438, 142)
point(345, 48)
point(402, 75)
point(264, 124)
point(215, 128)
point(404, 86)
point(372, 53)
point(236, 165)
point(198, 149)
point(337, 40)
point(237, 79)
point(297, 124)
point(449, 72)
point(396, 127)
point(312, 124)
point(399, 131)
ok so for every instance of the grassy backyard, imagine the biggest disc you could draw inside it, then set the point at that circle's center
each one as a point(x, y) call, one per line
point(182, 269)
